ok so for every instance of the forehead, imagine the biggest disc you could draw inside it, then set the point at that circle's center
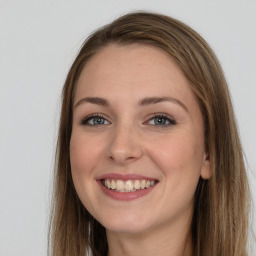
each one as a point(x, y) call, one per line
point(132, 71)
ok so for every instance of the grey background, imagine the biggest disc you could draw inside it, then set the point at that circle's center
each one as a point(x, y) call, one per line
point(38, 42)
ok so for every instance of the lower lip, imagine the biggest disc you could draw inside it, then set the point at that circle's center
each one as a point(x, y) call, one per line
point(125, 196)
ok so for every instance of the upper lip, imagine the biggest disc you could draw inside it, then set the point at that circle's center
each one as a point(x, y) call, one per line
point(117, 176)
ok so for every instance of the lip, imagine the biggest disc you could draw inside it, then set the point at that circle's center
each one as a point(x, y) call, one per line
point(124, 196)
point(124, 177)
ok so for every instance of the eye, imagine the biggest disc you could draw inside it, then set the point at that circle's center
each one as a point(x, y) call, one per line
point(161, 120)
point(95, 120)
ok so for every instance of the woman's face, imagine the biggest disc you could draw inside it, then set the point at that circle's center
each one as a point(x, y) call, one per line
point(137, 143)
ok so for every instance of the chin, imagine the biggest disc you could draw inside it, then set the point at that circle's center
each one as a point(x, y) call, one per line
point(126, 223)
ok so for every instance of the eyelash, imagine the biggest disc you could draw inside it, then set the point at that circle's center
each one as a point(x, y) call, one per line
point(86, 120)
point(162, 116)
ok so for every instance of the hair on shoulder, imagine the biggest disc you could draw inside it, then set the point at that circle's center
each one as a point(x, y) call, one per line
point(220, 220)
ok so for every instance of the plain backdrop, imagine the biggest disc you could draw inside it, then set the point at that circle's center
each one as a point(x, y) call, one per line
point(38, 42)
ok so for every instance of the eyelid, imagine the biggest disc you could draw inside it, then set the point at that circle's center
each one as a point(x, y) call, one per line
point(169, 118)
point(162, 115)
point(85, 120)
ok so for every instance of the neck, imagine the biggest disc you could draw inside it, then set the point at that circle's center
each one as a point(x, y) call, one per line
point(164, 241)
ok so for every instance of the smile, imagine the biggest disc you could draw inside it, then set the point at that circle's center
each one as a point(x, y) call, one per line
point(128, 185)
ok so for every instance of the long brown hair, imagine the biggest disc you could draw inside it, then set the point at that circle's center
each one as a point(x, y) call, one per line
point(220, 220)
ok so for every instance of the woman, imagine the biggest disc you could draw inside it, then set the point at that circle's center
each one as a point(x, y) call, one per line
point(148, 158)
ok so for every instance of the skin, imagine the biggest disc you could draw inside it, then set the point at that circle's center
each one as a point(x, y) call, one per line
point(129, 141)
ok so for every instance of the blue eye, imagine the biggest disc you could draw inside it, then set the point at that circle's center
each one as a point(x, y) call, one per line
point(94, 120)
point(161, 120)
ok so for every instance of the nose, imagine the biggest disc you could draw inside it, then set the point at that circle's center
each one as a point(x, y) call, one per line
point(124, 145)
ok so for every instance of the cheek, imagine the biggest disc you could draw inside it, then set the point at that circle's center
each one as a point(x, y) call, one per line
point(179, 158)
point(83, 154)
point(179, 155)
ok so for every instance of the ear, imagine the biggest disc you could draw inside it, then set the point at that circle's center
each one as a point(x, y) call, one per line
point(206, 168)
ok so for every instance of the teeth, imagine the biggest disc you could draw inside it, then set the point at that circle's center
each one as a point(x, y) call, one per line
point(107, 184)
point(129, 185)
point(113, 184)
point(137, 184)
point(148, 184)
point(119, 185)
point(143, 184)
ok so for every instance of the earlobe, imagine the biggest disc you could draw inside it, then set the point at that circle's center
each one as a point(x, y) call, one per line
point(206, 168)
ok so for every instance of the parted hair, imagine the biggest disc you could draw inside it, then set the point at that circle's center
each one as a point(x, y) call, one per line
point(221, 204)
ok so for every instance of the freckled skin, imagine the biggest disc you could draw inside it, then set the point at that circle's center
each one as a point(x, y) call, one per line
point(130, 144)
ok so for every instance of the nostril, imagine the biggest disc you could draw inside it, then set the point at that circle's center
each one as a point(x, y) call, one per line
point(124, 145)
point(123, 157)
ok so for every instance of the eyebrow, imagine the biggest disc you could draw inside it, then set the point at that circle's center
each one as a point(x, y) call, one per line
point(93, 100)
point(155, 100)
point(142, 102)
